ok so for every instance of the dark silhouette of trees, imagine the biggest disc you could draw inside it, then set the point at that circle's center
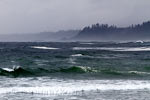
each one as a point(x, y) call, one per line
point(106, 30)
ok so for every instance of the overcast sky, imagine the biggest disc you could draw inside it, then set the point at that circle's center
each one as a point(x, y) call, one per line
point(25, 16)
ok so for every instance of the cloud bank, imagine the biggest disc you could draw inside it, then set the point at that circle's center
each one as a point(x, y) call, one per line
point(29, 16)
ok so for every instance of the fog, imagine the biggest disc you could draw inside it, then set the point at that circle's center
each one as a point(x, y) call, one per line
point(31, 16)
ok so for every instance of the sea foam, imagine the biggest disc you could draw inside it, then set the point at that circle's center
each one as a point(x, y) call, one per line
point(114, 48)
point(74, 87)
point(42, 47)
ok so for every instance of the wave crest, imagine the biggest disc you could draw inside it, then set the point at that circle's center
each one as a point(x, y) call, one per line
point(24, 72)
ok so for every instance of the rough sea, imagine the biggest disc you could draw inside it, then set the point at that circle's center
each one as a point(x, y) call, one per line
point(74, 71)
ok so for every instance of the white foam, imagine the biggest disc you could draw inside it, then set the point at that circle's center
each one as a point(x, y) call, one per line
point(73, 87)
point(77, 55)
point(85, 48)
point(139, 41)
point(8, 69)
point(114, 48)
point(11, 69)
point(138, 72)
point(41, 47)
point(135, 49)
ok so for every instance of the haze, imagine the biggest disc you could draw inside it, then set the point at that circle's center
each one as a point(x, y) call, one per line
point(31, 16)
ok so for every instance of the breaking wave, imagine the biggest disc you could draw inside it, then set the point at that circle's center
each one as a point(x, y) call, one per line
point(77, 55)
point(25, 72)
point(47, 48)
point(15, 72)
point(114, 48)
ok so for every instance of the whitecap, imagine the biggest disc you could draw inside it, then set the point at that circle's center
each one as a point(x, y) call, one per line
point(114, 48)
point(127, 49)
point(77, 55)
point(85, 48)
point(139, 41)
point(11, 69)
point(133, 49)
point(138, 72)
point(42, 47)
point(8, 69)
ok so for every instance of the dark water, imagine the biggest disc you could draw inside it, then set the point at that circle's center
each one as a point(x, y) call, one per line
point(74, 71)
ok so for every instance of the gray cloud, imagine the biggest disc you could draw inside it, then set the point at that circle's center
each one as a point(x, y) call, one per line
point(22, 16)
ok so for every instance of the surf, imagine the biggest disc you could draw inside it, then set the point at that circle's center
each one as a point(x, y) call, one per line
point(74, 87)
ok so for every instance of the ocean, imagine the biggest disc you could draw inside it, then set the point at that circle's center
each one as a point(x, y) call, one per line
point(74, 71)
